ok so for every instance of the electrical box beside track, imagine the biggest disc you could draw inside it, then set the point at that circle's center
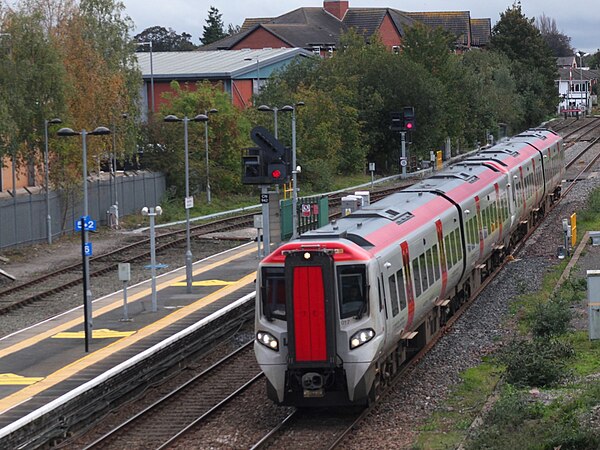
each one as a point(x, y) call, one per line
point(593, 294)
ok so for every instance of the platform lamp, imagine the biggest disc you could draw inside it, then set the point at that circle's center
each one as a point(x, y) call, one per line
point(294, 168)
point(152, 213)
point(87, 305)
point(206, 113)
point(189, 201)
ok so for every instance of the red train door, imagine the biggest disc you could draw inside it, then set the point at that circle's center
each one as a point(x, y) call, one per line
point(310, 305)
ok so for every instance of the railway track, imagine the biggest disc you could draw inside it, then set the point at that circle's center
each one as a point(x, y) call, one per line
point(172, 416)
point(47, 285)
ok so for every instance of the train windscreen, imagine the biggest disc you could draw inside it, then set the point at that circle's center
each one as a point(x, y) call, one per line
point(352, 288)
point(273, 292)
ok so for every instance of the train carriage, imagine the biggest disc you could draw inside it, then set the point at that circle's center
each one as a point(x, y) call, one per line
point(341, 308)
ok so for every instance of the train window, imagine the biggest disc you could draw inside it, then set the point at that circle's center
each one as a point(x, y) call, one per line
point(401, 289)
point(436, 261)
point(394, 294)
point(430, 264)
point(352, 290)
point(426, 279)
point(273, 292)
point(459, 253)
point(417, 276)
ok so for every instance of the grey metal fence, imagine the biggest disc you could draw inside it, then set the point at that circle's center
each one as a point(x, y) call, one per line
point(23, 218)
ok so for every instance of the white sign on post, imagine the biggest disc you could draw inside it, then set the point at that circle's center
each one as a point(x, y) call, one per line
point(124, 271)
point(189, 202)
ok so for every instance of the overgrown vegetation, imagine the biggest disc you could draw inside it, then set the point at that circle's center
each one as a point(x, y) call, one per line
point(549, 396)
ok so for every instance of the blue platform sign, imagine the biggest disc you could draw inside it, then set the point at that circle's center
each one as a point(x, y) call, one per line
point(87, 249)
point(88, 224)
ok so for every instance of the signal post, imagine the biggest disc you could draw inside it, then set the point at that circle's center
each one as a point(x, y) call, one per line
point(266, 165)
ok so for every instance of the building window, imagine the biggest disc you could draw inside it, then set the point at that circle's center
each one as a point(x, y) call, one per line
point(316, 50)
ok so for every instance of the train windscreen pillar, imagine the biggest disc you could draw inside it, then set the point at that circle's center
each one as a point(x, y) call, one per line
point(593, 294)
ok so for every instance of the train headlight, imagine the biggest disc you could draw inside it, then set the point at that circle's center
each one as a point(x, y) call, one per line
point(268, 340)
point(361, 337)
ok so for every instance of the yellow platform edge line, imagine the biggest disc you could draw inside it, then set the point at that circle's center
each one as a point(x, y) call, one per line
point(76, 366)
point(117, 304)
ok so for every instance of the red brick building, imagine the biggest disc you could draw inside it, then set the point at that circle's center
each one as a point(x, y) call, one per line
point(318, 29)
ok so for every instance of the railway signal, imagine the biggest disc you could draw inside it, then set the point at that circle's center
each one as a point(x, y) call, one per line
point(408, 116)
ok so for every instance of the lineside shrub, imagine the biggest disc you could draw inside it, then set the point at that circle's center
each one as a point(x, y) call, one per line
point(538, 362)
point(550, 318)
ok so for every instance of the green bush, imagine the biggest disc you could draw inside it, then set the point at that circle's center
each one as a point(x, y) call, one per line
point(537, 362)
point(550, 318)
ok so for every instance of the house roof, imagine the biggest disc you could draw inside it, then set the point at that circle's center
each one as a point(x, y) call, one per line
point(367, 21)
point(314, 26)
point(576, 74)
point(481, 31)
point(211, 64)
point(456, 22)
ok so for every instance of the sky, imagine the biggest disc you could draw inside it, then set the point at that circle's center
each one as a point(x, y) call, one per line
point(580, 20)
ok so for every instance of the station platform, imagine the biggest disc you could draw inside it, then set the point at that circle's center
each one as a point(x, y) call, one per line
point(43, 365)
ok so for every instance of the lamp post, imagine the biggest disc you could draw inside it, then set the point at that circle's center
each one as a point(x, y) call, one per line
point(274, 109)
point(87, 305)
point(583, 92)
point(294, 169)
point(189, 201)
point(206, 113)
point(149, 44)
point(152, 213)
point(46, 177)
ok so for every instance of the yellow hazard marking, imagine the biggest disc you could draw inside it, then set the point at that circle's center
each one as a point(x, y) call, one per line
point(205, 283)
point(115, 305)
point(12, 379)
point(102, 333)
point(77, 366)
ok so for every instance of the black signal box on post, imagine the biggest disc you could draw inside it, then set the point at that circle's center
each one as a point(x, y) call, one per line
point(397, 121)
point(267, 164)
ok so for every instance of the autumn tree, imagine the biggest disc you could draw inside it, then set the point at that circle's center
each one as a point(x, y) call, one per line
point(32, 76)
point(214, 28)
point(164, 40)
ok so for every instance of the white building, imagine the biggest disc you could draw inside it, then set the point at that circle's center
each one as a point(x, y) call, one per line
point(574, 89)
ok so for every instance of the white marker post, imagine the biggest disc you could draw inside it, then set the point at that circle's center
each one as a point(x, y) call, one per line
point(125, 276)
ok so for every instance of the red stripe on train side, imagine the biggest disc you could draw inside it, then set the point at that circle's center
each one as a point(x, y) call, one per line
point(499, 206)
point(479, 221)
point(409, 285)
point(440, 236)
point(309, 314)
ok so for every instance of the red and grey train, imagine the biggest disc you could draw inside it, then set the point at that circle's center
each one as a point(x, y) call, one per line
point(341, 308)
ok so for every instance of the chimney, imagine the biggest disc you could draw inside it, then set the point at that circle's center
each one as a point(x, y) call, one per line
point(336, 7)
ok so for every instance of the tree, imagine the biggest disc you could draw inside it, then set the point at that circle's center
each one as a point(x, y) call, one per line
point(164, 40)
point(214, 28)
point(229, 132)
point(233, 29)
point(533, 65)
point(559, 43)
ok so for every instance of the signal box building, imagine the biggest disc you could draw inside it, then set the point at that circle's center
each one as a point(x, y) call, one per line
point(241, 72)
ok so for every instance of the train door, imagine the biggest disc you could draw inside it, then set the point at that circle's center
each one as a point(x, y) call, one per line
point(310, 300)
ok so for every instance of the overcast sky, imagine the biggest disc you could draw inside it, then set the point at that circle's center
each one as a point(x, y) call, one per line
point(578, 20)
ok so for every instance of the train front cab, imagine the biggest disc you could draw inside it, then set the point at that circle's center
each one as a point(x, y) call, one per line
point(321, 359)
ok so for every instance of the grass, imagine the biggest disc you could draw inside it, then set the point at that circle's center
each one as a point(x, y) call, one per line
point(173, 209)
point(448, 427)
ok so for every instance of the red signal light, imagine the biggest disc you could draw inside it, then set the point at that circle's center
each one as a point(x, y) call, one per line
point(276, 174)
point(409, 125)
